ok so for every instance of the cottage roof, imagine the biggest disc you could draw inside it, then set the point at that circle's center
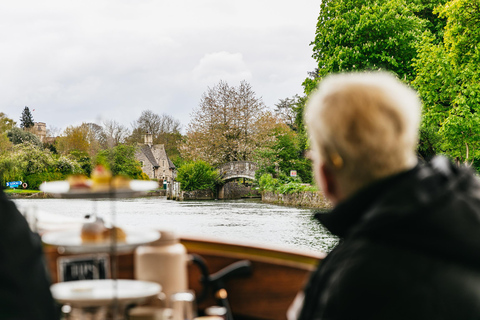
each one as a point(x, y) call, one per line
point(170, 163)
point(148, 153)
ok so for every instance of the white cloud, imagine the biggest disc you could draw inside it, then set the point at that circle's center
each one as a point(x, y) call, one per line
point(74, 61)
point(223, 65)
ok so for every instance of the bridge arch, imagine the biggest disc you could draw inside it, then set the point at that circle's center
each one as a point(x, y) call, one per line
point(238, 169)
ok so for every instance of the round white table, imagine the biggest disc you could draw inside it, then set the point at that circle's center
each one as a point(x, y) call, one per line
point(95, 295)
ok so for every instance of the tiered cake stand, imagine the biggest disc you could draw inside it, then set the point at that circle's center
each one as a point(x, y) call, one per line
point(106, 298)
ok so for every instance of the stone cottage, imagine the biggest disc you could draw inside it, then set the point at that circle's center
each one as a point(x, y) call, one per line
point(155, 162)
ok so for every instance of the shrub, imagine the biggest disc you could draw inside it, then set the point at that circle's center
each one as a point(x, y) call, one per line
point(36, 179)
point(198, 175)
point(268, 183)
point(121, 161)
point(288, 185)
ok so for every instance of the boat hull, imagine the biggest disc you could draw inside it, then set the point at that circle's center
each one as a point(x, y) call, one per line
point(277, 274)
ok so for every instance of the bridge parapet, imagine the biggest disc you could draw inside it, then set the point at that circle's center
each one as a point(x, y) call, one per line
point(238, 169)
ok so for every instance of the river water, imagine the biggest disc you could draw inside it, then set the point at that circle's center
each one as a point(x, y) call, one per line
point(248, 221)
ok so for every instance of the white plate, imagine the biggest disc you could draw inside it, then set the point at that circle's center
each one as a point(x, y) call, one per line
point(62, 189)
point(93, 293)
point(71, 241)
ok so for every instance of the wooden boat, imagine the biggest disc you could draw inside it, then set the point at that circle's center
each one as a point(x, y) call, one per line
point(277, 274)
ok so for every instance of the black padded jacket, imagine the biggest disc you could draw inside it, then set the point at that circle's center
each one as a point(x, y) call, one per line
point(409, 249)
point(24, 282)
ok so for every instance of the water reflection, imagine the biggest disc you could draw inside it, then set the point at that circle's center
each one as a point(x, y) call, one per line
point(247, 220)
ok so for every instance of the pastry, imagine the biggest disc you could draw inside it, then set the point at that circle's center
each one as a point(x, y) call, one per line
point(120, 182)
point(94, 232)
point(101, 178)
point(120, 235)
point(78, 181)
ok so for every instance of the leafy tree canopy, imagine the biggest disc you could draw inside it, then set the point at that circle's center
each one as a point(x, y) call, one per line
point(87, 138)
point(6, 123)
point(121, 161)
point(356, 35)
point(33, 165)
point(283, 153)
point(225, 127)
point(18, 136)
point(448, 75)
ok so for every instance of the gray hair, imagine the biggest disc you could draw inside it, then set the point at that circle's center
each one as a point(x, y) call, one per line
point(363, 125)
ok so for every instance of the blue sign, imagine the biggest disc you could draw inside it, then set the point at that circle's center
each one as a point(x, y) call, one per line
point(14, 184)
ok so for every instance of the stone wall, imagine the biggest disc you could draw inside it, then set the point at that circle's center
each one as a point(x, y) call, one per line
point(307, 199)
point(196, 195)
point(234, 190)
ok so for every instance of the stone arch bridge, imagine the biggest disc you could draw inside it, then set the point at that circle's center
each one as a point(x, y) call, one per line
point(238, 169)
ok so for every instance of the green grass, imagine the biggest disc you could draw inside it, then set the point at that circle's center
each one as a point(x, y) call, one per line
point(20, 191)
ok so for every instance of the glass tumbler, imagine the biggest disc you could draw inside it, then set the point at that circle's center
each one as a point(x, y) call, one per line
point(183, 305)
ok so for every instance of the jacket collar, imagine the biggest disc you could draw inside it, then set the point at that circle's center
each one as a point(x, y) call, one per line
point(347, 213)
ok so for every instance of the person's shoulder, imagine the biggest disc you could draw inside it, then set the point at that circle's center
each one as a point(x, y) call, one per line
point(376, 280)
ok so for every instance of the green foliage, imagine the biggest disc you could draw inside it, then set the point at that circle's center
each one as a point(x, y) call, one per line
point(407, 38)
point(26, 120)
point(121, 161)
point(83, 159)
point(35, 180)
point(18, 136)
point(366, 35)
point(433, 23)
point(428, 142)
point(294, 187)
point(10, 170)
point(198, 175)
point(5, 123)
point(21, 191)
point(283, 153)
point(268, 183)
point(5, 143)
point(33, 165)
point(448, 75)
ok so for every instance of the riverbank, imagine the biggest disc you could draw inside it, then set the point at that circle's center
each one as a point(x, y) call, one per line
point(303, 199)
point(33, 194)
point(26, 194)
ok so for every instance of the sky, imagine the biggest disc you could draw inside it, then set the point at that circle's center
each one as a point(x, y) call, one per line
point(96, 60)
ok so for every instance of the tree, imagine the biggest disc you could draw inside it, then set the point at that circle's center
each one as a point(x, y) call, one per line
point(114, 133)
point(5, 144)
point(5, 123)
point(164, 128)
point(26, 120)
point(448, 80)
point(224, 127)
point(34, 165)
point(354, 35)
point(19, 136)
point(285, 109)
point(121, 161)
point(198, 175)
point(281, 153)
point(86, 138)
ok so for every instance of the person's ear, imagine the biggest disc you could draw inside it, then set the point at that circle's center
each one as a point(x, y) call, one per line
point(329, 183)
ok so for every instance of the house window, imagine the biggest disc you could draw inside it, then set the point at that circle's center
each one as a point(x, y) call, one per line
point(141, 163)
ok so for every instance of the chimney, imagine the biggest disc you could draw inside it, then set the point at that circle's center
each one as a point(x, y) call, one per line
point(148, 139)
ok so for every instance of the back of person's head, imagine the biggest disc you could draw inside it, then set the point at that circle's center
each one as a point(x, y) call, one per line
point(363, 126)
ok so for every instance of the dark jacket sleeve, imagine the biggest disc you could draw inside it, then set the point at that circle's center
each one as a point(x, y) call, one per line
point(24, 282)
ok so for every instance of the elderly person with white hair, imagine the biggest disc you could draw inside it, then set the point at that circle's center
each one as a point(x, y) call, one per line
point(409, 233)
